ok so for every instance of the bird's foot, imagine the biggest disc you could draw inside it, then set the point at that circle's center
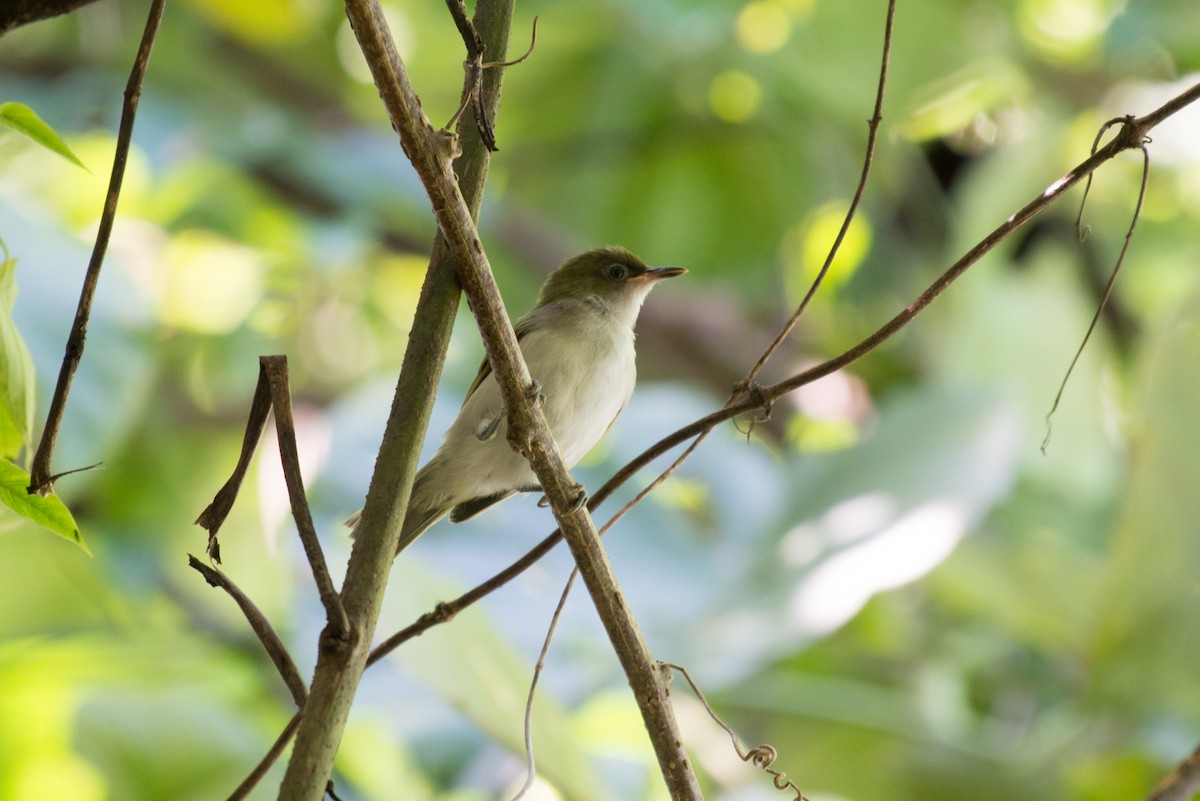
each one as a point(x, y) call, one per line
point(487, 428)
point(579, 499)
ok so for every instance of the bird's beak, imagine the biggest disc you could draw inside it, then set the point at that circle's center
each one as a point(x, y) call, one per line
point(659, 273)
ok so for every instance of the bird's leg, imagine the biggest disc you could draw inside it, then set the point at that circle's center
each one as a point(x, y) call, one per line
point(487, 428)
point(579, 499)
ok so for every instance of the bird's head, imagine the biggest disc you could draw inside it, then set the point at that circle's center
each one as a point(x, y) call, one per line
point(611, 275)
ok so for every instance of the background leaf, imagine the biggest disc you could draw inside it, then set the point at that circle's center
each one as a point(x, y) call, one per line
point(48, 512)
point(22, 119)
point(16, 369)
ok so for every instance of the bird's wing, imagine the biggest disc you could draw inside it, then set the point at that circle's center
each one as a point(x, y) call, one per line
point(468, 509)
point(523, 327)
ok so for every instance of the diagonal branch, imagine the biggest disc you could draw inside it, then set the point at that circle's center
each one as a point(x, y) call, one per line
point(272, 392)
point(1182, 783)
point(41, 481)
point(213, 516)
point(260, 770)
point(1131, 136)
point(340, 664)
point(266, 633)
point(868, 159)
point(431, 153)
point(275, 369)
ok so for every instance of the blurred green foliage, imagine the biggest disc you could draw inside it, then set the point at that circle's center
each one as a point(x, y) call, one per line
point(890, 583)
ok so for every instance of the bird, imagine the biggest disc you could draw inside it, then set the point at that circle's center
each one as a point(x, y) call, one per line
point(578, 343)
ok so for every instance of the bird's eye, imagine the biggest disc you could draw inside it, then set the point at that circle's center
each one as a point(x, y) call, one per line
point(616, 271)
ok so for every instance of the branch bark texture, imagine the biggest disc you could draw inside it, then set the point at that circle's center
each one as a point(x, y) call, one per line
point(430, 152)
point(15, 13)
point(40, 478)
point(341, 661)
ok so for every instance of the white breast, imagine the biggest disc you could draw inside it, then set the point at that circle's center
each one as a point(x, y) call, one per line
point(586, 380)
point(586, 384)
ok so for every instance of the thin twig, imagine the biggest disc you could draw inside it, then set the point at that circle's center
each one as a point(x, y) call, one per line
point(761, 756)
point(272, 393)
point(266, 633)
point(868, 160)
point(531, 773)
point(215, 513)
point(487, 65)
point(1108, 288)
point(1082, 231)
point(260, 770)
point(475, 66)
point(41, 482)
point(289, 456)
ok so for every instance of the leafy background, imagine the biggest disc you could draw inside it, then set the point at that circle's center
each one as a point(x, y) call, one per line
point(890, 583)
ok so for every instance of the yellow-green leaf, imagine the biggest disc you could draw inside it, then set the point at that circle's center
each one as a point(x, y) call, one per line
point(48, 512)
point(22, 119)
point(16, 369)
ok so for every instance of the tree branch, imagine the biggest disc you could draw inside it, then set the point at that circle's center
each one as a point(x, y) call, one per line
point(248, 784)
point(272, 392)
point(430, 152)
point(40, 479)
point(340, 665)
point(868, 159)
point(266, 633)
point(275, 370)
point(1182, 783)
point(15, 13)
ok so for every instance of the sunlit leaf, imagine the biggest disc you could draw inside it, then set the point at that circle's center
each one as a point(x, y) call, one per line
point(22, 119)
point(806, 246)
point(16, 369)
point(48, 512)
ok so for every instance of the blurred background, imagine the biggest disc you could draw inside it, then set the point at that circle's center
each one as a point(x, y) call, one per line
point(889, 581)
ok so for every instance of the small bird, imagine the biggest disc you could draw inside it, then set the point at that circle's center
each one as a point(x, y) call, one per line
point(578, 344)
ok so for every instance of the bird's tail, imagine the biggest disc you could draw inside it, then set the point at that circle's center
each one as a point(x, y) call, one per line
point(421, 513)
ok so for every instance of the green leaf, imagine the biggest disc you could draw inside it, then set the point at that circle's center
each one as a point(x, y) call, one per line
point(22, 119)
point(16, 369)
point(48, 512)
point(1147, 633)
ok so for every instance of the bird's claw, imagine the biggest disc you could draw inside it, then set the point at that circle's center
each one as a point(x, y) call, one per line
point(579, 499)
